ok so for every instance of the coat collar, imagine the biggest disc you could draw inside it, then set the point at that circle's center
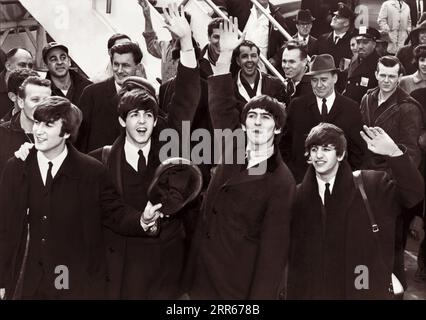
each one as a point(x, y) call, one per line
point(241, 175)
point(344, 189)
point(336, 109)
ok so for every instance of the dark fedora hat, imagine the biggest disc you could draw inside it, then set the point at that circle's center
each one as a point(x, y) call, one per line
point(176, 183)
point(321, 63)
point(304, 16)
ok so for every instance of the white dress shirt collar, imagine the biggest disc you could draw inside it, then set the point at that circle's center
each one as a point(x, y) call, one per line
point(132, 155)
point(43, 163)
point(321, 186)
point(257, 156)
point(243, 90)
point(329, 102)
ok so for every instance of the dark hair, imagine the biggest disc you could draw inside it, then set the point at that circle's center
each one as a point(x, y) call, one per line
point(269, 104)
point(54, 108)
point(390, 62)
point(12, 52)
point(115, 37)
point(214, 24)
point(297, 45)
point(139, 99)
point(419, 52)
point(17, 77)
point(326, 134)
point(128, 47)
point(246, 43)
point(32, 80)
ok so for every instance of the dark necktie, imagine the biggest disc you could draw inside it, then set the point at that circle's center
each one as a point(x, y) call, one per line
point(49, 177)
point(336, 39)
point(290, 87)
point(324, 108)
point(327, 195)
point(141, 162)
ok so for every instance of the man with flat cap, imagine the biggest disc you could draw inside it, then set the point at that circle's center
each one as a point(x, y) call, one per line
point(65, 82)
point(323, 105)
point(304, 20)
point(361, 72)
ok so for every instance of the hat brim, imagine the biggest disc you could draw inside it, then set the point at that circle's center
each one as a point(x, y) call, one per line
point(60, 46)
point(305, 21)
point(361, 37)
point(313, 73)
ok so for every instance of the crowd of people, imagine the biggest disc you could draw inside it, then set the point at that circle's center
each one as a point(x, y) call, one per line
point(311, 195)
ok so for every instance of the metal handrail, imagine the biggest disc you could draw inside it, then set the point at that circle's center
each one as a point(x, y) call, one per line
point(272, 20)
point(262, 57)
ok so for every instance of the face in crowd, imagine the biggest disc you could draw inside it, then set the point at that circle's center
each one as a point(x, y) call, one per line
point(325, 160)
point(260, 128)
point(304, 29)
point(33, 94)
point(388, 78)
point(58, 62)
point(123, 66)
point(365, 47)
point(293, 64)
point(214, 40)
point(48, 137)
point(22, 59)
point(139, 125)
point(248, 60)
point(323, 84)
point(354, 46)
point(339, 23)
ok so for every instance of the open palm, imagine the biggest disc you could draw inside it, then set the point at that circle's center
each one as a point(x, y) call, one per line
point(229, 37)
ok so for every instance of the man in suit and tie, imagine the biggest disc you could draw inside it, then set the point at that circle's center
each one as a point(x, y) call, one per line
point(304, 20)
point(323, 105)
point(99, 101)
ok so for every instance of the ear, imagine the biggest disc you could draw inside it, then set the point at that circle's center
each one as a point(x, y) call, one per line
point(335, 78)
point(12, 97)
point(67, 135)
point(277, 130)
point(377, 75)
point(238, 61)
point(20, 102)
point(341, 157)
point(7, 66)
point(122, 122)
point(155, 122)
point(244, 127)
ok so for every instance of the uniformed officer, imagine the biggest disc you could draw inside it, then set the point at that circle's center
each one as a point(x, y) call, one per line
point(361, 70)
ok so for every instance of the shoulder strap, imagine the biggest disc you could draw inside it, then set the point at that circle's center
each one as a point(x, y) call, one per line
point(106, 150)
point(359, 183)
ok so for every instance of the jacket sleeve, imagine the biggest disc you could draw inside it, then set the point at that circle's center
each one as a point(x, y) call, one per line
point(274, 242)
point(152, 44)
point(408, 181)
point(86, 106)
point(185, 98)
point(382, 18)
point(410, 129)
point(222, 102)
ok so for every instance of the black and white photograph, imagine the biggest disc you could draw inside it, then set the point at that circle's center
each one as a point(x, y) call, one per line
point(212, 155)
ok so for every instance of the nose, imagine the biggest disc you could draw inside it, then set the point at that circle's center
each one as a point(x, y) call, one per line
point(257, 121)
point(319, 153)
point(120, 68)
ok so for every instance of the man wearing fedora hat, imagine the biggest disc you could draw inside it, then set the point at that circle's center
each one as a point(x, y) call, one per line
point(323, 105)
point(65, 81)
point(361, 76)
point(304, 20)
point(141, 268)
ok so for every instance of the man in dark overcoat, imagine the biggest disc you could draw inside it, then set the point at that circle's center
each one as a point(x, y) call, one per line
point(334, 252)
point(241, 242)
point(323, 105)
point(52, 207)
point(149, 268)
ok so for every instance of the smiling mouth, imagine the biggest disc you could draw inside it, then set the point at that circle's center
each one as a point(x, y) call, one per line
point(141, 130)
